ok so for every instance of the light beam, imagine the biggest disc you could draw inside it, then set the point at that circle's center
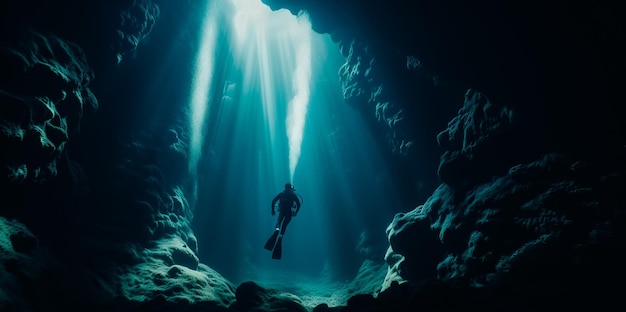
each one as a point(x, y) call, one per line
point(276, 46)
point(296, 114)
point(201, 87)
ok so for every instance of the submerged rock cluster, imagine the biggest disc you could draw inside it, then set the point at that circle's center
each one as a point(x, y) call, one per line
point(550, 227)
point(45, 92)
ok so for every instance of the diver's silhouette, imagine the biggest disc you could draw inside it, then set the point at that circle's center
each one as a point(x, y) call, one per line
point(289, 203)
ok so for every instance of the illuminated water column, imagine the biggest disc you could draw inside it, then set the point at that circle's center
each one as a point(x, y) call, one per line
point(296, 114)
point(276, 46)
point(200, 101)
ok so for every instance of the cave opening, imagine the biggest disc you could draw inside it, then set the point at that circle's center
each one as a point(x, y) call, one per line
point(266, 108)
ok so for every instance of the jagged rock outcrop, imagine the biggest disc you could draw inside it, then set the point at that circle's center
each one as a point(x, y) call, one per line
point(363, 85)
point(109, 31)
point(478, 142)
point(44, 90)
point(135, 21)
point(541, 224)
point(18, 260)
point(47, 58)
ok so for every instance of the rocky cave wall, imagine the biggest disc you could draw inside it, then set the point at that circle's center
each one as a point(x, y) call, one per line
point(530, 169)
point(87, 220)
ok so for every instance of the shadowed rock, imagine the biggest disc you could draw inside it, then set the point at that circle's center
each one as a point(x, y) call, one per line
point(45, 81)
point(44, 91)
point(476, 143)
point(252, 297)
point(538, 224)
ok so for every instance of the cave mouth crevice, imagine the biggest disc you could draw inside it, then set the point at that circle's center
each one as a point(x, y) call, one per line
point(245, 147)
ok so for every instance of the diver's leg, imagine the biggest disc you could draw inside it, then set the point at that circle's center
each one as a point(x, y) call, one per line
point(279, 220)
point(271, 242)
point(286, 220)
point(278, 248)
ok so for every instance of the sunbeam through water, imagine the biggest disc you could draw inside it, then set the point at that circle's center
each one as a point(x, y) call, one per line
point(268, 109)
point(200, 89)
point(297, 107)
point(254, 24)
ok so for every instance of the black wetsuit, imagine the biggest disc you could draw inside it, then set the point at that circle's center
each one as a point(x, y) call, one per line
point(287, 199)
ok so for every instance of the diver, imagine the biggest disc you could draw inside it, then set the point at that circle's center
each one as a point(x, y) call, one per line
point(289, 203)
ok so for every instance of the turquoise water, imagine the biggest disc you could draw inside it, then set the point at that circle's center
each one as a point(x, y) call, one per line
point(265, 109)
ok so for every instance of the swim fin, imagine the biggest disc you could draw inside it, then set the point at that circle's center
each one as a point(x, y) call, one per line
point(269, 245)
point(278, 249)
